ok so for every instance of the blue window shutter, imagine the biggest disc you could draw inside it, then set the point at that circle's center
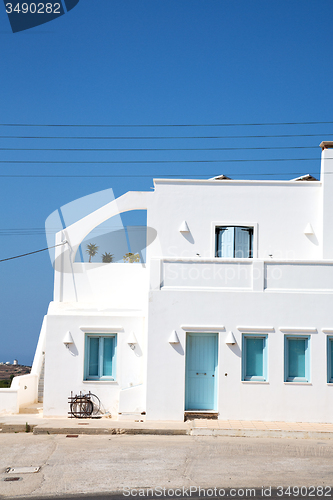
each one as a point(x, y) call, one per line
point(254, 357)
point(296, 364)
point(93, 356)
point(227, 236)
point(330, 359)
point(243, 242)
point(108, 352)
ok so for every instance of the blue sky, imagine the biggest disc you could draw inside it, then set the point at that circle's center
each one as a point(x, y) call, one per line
point(148, 62)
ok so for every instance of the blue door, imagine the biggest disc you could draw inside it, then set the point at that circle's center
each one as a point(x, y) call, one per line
point(201, 364)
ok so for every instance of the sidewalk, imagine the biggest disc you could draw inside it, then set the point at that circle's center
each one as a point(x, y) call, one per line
point(198, 427)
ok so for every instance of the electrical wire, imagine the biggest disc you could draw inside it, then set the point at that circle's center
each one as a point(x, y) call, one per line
point(107, 162)
point(152, 176)
point(158, 149)
point(30, 253)
point(85, 138)
point(161, 125)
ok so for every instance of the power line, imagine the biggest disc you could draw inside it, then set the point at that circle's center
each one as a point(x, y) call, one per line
point(161, 137)
point(184, 175)
point(158, 149)
point(30, 253)
point(37, 231)
point(160, 125)
point(107, 162)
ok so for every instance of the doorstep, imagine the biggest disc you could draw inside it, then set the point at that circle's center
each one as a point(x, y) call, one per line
point(200, 414)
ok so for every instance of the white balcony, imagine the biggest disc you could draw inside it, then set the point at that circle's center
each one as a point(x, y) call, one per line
point(241, 274)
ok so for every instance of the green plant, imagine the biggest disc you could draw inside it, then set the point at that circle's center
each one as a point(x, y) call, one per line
point(92, 250)
point(107, 257)
point(131, 257)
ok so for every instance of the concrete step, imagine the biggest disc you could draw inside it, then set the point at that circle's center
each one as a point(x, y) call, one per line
point(33, 409)
point(204, 414)
point(132, 417)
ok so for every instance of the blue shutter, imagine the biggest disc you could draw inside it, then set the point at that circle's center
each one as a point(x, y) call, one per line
point(330, 359)
point(226, 245)
point(93, 356)
point(254, 357)
point(108, 352)
point(242, 242)
point(296, 362)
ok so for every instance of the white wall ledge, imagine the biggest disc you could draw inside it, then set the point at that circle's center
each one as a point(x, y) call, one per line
point(249, 329)
point(99, 329)
point(256, 382)
point(203, 328)
point(109, 382)
point(297, 383)
point(244, 260)
point(301, 329)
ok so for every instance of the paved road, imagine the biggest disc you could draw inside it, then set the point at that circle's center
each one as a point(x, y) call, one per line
point(103, 464)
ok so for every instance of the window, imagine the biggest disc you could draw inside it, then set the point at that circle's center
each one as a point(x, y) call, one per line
point(234, 242)
point(100, 357)
point(330, 360)
point(296, 362)
point(254, 357)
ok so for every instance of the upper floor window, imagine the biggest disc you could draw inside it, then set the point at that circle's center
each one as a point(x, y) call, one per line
point(234, 242)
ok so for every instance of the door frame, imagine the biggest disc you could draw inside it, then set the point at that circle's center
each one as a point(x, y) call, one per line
point(217, 343)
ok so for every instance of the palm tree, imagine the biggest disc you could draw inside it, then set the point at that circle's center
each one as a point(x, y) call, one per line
point(92, 250)
point(107, 257)
point(131, 257)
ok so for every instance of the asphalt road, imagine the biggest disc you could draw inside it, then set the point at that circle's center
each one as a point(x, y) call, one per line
point(165, 466)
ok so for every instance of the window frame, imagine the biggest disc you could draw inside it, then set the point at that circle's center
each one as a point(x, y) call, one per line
point(329, 360)
point(254, 378)
point(245, 224)
point(287, 378)
point(100, 377)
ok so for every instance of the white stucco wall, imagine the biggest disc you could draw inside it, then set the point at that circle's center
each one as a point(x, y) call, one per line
point(122, 285)
point(64, 368)
point(288, 284)
point(274, 400)
point(9, 402)
point(23, 391)
point(279, 211)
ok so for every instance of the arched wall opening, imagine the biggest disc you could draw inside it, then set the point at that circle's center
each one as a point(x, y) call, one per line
point(120, 239)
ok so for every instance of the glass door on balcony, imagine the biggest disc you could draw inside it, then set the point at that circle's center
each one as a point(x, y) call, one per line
point(234, 242)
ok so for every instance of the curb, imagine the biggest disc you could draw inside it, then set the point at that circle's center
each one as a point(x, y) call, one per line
point(254, 433)
point(38, 429)
point(109, 431)
point(14, 428)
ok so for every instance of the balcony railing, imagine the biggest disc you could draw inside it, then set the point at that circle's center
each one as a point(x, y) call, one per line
point(242, 274)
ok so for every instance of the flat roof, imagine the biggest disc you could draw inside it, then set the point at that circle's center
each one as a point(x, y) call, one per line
point(213, 182)
point(326, 145)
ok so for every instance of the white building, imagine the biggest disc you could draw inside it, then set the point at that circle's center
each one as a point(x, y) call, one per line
point(231, 314)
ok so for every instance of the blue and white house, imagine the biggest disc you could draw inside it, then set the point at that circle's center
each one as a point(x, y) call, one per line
point(231, 313)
